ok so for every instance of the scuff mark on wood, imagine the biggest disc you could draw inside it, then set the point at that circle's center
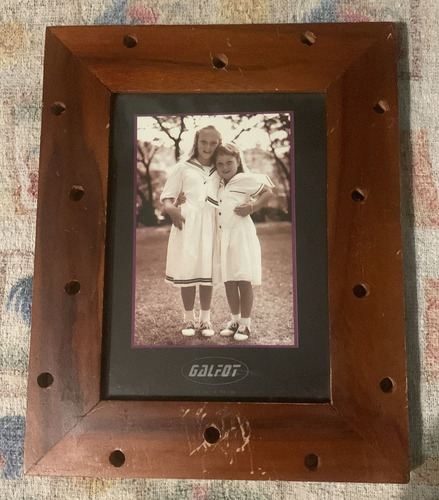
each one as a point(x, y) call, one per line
point(245, 432)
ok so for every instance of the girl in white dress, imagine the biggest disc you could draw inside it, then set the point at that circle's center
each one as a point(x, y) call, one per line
point(237, 252)
point(189, 257)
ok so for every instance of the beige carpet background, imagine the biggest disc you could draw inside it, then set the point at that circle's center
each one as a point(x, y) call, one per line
point(22, 26)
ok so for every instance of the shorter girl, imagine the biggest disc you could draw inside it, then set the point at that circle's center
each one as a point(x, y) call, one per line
point(237, 252)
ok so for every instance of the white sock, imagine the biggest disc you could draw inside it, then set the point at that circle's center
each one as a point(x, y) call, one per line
point(189, 316)
point(236, 318)
point(245, 321)
point(204, 315)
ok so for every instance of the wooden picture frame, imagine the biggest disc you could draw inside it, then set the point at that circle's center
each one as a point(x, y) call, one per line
point(362, 433)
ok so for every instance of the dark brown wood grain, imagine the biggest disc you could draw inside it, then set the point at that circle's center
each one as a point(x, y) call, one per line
point(362, 435)
point(66, 339)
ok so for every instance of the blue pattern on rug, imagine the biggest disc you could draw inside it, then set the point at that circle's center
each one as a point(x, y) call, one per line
point(115, 14)
point(21, 296)
point(12, 445)
point(326, 12)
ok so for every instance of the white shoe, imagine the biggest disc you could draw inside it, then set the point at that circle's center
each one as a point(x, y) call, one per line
point(188, 329)
point(243, 333)
point(206, 329)
point(230, 329)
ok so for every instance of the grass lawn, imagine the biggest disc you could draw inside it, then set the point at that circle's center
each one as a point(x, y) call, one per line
point(159, 309)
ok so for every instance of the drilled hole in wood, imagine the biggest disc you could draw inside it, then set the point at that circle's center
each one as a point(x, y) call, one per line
point(76, 193)
point(387, 385)
point(308, 38)
point(117, 458)
point(361, 290)
point(130, 41)
point(58, 108)
point(220, 61)
point(359, 195)
point(72, 287)
point(312, 461)
point(381, 106)
point(212, 435)
point(45, 380)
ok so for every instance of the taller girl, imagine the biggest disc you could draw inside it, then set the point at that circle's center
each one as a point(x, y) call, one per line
point(189, 257)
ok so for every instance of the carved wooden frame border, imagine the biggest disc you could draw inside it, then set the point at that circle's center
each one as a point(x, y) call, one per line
point(362, 434)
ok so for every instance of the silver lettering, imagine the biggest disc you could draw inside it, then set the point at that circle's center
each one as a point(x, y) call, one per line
point(214, 370)
point(235, 370)
point(218, 370)
point(203, 371)
point(193, 371)
point(226, 371)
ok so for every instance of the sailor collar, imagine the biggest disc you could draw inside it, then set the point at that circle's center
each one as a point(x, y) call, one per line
point(232, 181)
point(197, 165)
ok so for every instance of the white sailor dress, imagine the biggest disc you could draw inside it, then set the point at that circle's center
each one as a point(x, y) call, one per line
point(189, 254)
point(237, 252)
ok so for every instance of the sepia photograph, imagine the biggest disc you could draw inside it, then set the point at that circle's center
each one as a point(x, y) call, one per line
point(214, 231)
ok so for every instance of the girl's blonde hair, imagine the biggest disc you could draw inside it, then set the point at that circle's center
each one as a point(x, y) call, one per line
point(193, 153)
point(231, 149)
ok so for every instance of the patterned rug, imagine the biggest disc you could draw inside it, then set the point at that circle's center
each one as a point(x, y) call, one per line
point(23, 23)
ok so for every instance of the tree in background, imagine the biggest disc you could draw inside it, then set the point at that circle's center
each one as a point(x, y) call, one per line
point(263, 138)
point(145, 202)
point(173, 127)
point(279, 131)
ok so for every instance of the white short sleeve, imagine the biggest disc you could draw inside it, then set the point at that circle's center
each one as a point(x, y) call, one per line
point(253, 184)
point(174, 183)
